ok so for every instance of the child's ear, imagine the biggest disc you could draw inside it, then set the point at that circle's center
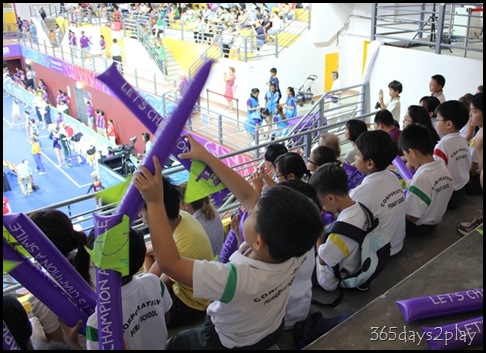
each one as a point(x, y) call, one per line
point(259, 243)
point(370, 164)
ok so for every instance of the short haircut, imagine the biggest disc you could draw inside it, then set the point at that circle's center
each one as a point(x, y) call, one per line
point(172, 199)
point(417, 137)
point(466, 100)
point(439, 79)
point(322, 155)
point(273, 70)
point(288, 221)
point(355, 128)
point(455, 112)
point(335, 73)
point(305, 188)
point(291, 162)
point(396, 86)
point(330, 140)
point(378, 146)
point(384, 117)
point(430, 103)
point(273, 151)
point(330, 178)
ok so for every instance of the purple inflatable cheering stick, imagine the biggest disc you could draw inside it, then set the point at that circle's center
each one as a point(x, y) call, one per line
point(168, 130)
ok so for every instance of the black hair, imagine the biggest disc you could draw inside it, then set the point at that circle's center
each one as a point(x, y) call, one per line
point(255, 91)
point(384, 117)
point(172, 198)
point(396, 86)
point(291, 91)
point(288, 221)
point(146, 136)
point(431, 103)
point(274, 150)
point(419, 115)
point(330, 178)
point(292, 163)
point(455, 112)
point(303, 187)
point(355, 128)
point(273, 70)
point(322, 155)
point(477, 101)
point(57, 226)
point(466, 100)
point(439, 79)
point(17, 321)
point(378, 146)
point(417, 137)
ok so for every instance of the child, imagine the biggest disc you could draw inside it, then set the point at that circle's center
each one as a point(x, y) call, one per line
point(96, 186)
point(15, 114)
point(380, 189)
point(249, 294)
point(145, 303)
point(27, 124)
point(393, 106)
point(193, 243)
point(436, 87)
point(354, 128)
point(431, 188)
point(331, 183)
point(476, 122)
point(320, 155)
point(453, 148)
point(271, 99)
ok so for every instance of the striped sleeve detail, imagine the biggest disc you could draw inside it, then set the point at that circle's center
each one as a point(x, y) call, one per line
point(91, 334)
point(420, 194)
point(442, 155)
point(230, 289)
point(339, 243)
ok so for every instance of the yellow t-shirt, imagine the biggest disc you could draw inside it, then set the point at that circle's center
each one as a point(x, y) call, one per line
point(36, 149)
point(192, 242)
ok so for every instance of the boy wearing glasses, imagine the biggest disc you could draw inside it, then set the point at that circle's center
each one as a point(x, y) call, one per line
point(452, 148)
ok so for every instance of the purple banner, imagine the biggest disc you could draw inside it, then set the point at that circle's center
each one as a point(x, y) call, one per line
point(168, 130)
point(11, 51)
point(108, 287)
point(26, 232)
point(45, 289)
point(402, 169)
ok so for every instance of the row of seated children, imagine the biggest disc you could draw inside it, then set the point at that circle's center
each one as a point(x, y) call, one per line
point(371, 160)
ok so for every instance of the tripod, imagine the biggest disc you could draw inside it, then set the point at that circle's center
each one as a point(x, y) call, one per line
point(127, 166)
point(432, 20)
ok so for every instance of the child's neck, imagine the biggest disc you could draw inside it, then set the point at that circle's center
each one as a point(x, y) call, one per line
point(424, 159)
point(344, 202)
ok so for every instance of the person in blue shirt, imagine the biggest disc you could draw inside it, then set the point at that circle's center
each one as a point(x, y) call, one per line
point(290, 105)
point(254, 118)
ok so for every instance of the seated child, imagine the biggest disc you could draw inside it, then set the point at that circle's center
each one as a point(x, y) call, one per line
point(431, 187)
point(331, 183)
point(380, 189)
point(452, 148)
point(249, 294)
point(145, 303)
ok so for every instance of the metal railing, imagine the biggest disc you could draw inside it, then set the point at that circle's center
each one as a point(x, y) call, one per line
point(450, 26)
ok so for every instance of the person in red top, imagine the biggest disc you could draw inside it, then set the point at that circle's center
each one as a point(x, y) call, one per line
point(96, 186)
point(6, 206)
point(111, 131)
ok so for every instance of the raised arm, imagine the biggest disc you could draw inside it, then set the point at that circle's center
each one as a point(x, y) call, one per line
point(242, 190)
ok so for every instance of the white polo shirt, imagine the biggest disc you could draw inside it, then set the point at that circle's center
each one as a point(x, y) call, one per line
point(453, 149)
point(429, 193)
point(382, 193)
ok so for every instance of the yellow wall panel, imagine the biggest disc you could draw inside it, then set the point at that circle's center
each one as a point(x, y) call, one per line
point(331, 64)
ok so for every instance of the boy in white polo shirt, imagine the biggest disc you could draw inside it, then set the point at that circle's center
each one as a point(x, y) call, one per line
point(381, 190)
point(431, 187)
point(453, 148)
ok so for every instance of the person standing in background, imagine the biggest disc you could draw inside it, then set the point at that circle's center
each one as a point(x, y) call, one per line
point(24, 177)
point(148, 143)
point(229, 78)
point(111, 131)
point(101, 123)
point(30, 78)
point(85, 43)
point(90, 115)
point(15, 114)
point(37, 153)
point(336, 94)
point(393, 105)
point(116, 54)
point(436, 87)
point(102, 46)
